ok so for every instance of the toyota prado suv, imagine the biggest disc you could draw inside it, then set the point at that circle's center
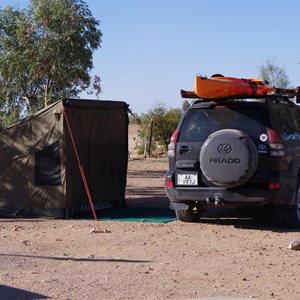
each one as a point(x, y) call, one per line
point(237, 153)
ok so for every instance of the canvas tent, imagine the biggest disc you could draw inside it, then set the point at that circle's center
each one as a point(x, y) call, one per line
point(39, 173)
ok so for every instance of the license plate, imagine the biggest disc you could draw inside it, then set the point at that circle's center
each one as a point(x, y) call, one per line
point(187, 179)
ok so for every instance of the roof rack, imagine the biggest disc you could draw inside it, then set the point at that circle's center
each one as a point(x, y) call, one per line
point(273, 98)
point(266, 100)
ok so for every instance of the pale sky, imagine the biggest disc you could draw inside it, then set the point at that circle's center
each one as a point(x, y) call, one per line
point(152, 49)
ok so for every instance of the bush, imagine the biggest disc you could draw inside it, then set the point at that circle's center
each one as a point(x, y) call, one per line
point(157, 126)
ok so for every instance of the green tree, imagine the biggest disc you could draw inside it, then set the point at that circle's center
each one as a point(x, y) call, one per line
point(273, 73)
point(185, 105)
point(157, 126)
point(134, 119)
point(45, 54)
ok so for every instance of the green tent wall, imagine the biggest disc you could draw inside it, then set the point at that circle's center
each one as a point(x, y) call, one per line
point(39, 174)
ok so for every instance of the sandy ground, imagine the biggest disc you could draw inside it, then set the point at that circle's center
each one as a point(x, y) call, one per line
point(229, 254)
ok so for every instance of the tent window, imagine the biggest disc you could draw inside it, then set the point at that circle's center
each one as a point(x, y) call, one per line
point(48, 165)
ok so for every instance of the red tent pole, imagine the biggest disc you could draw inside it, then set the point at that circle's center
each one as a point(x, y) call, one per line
point(81, 169)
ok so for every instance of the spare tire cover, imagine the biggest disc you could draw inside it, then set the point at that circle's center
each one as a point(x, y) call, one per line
point(228, 158)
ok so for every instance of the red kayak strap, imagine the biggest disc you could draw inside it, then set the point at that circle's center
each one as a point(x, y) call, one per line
point(86, 186)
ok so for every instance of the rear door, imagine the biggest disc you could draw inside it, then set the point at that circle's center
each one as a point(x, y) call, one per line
point(199, 123)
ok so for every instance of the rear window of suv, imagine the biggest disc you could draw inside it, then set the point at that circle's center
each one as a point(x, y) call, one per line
point(199, 123)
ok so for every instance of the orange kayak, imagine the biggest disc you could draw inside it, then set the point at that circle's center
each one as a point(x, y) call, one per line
point(230, 87)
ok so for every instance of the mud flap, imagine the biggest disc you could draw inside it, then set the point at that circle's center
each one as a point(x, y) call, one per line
point(178, 206)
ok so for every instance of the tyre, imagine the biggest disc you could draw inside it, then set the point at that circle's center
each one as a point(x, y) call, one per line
point(192, 214)
point(228, 158)
point(289, 216)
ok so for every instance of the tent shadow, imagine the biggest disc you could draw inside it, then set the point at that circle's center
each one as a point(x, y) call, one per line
point(134, 214)
point(143, 208)
point(144, 214)
point(8, 292)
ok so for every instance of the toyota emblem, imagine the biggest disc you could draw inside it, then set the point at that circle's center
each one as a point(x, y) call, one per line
point(224, 149)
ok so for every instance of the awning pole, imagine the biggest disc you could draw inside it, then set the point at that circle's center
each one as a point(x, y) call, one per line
point(82, 172)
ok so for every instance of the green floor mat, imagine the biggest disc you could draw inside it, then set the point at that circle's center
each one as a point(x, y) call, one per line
point(133, 214)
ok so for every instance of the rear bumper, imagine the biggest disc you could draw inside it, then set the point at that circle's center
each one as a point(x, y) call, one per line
point(210, 194)
point(230, 196)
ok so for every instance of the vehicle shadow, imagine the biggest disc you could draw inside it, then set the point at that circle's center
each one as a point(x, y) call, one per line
point(8, 292)
point(262, 218)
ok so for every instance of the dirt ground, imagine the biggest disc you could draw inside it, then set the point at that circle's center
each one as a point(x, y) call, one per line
point(229, 254)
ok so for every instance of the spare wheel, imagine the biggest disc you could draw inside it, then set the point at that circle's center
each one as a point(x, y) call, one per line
point(228, 158)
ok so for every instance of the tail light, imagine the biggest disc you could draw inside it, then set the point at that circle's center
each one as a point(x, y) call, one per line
point(276, 147)
point(172, 145)
point(274, 186)
point(169, 184)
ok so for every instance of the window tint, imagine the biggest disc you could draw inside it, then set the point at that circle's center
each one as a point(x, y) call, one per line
point(296, 117)
point(198, 126)
point(200, 123)
point(286, 127)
